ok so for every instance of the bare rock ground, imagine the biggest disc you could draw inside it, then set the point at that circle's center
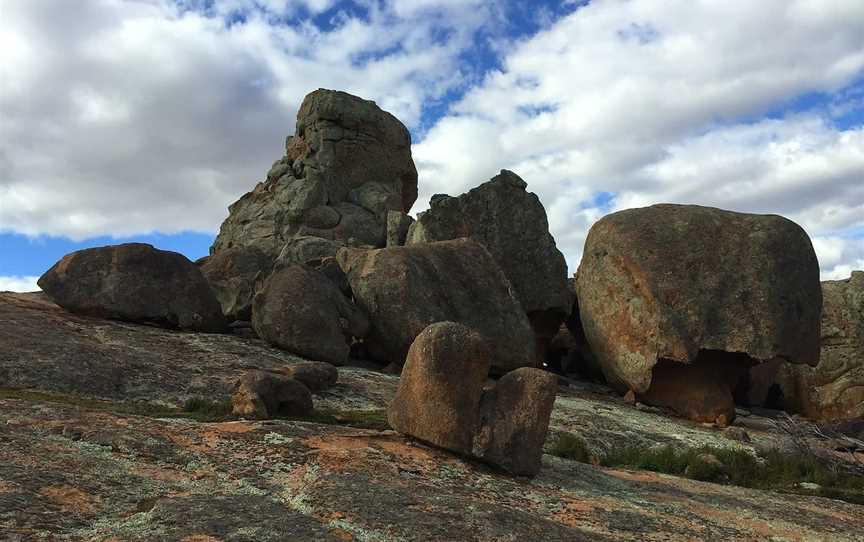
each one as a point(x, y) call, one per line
point(71, 472)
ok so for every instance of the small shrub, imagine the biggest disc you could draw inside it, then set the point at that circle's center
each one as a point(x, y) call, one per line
point(569, 446)
point(206, 410)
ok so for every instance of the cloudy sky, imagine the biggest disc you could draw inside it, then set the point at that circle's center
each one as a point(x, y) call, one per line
point(144, 119)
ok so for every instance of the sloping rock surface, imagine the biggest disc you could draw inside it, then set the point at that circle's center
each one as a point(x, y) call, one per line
point(834, 389)
point(672, 281)
point(88, 475)
point(511, 223)
point(135, 282)
point(74, 473)
point(405, 289)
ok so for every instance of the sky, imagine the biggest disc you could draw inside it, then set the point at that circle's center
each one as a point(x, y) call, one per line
point(142, 120)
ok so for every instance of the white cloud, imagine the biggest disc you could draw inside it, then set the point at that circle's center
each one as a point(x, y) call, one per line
point(122, 117)
point(18, 284)
point(653, 100)
point(125, 117)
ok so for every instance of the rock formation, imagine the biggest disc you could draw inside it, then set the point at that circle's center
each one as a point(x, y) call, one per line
point(834, 389)
point(315, 375)
point(232, 274)
point(137, 283)
point(676, 286)
point(300, 310)
point(76, 468)
point(347, 166)
point(440, 386)
point(511, 223)
point(441, 400)
point(266, 394)
point(405, 289)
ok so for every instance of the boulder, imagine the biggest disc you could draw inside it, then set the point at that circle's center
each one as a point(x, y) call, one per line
point(346, 167)
point(439, 390)
point(315, 375)
point(264, 394)
point(511, 223)
point(834, 389)
point(300, 310)
point(404, 289)
point(692, 285)
point(514, 419)
point(232, 274)
point(441, 400)
point(137, 283)
point(398, 224)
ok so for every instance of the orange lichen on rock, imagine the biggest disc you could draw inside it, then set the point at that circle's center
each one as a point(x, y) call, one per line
point(70, 499)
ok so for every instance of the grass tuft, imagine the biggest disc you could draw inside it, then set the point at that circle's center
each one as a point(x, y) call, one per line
point(570, 446)
point(774, 470)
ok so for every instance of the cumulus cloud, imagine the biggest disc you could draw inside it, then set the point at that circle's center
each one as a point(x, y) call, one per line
point(123, 117)
point(18, 284)
point(657, 101)
point(126, 117)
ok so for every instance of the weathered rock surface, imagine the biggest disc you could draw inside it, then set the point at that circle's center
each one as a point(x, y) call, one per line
point(300, 310)
point(69, 471)
point(514, 420)
point(405, 289)
point(438, 397)
point(834, 389)
point(347, 165)
point(315, 375)
point(232, 274)
point(669, 282)
point(265, 394)
point(511, 223)
point(87, 475)
point(135, 282)
point(441, 400)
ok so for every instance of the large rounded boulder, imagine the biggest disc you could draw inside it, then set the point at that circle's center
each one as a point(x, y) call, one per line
point(300, 310)
point(405, 289)
point(135, 282)
point(696, 295)
point(834, 389)
point(511, 223)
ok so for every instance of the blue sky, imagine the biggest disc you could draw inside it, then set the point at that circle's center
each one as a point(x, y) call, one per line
point(143, 120)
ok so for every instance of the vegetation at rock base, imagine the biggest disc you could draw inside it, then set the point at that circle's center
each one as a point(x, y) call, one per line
point(569, 446)
point(772, 470)
point(360, 419)
point(206, 408)
point(198, 409)
point(195, 409)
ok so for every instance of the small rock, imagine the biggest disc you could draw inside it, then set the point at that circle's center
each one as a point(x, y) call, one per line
point(741, 412)
point(264, 394)
point(809, 486)
point(315, 375)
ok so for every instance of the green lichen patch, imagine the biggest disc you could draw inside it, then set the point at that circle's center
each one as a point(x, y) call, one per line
point(195, 409)
point(361, 419)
